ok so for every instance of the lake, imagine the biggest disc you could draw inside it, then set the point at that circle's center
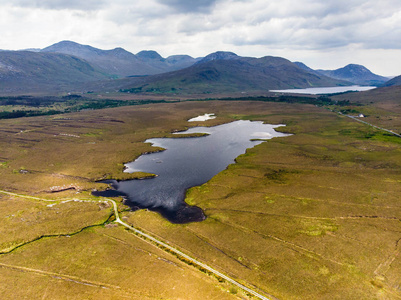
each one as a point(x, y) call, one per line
point(326, 90)
point(187, 162)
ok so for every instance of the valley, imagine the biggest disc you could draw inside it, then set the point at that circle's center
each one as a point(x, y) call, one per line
point(314, 215)
point(311, 216)
point(71, 68)
point(200, 150)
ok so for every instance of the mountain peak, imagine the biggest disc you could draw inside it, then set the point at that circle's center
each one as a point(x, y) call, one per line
point(72, 48)
point(219, 55)
point(149, 55)
point(356, 68)
point(355, 73)
point(122, 53)
point(66, 42)
point(63, 45)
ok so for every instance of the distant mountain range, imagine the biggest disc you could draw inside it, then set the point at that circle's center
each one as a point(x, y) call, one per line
point(30, 72)
point(356, 74)
point(223, 72)
point(121, 63)
point(69, 66)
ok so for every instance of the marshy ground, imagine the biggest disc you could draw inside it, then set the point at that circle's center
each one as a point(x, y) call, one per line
point(315, 215)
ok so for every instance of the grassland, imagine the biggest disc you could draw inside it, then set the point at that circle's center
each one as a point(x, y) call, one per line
point(315, 215)
point(381, 106)
point(31, 106)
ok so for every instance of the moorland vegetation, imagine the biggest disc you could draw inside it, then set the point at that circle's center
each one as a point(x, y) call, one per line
point(314, 215)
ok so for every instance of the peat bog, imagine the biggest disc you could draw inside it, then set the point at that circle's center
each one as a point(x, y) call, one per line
point(186, 162)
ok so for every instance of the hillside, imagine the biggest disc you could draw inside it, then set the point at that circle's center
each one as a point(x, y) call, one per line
point(393, 82)
point(121, 63)
point(163, 65)
point(233, 74)
point(117, 62)
point(355, 73)
point(305, 67)
point(26, 72)
point(71, 66)
point(181, 61)
point(219, 55)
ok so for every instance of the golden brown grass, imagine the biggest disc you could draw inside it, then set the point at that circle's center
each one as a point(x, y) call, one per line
point(25, 220)
point(312, 216)
point(102, 263)
point(382, 106)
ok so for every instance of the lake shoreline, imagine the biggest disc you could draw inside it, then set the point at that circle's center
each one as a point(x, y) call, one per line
point(184, 214)
point(325, 90)
point(186, 162)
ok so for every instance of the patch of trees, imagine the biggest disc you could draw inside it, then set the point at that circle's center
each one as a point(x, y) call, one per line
point(26, 113)
point(320, 101)
point(29, 101)
point(349, 111)
point(70, 104)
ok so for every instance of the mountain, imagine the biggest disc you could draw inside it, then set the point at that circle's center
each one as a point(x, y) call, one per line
point(150, 55)
point(121, 63)
point(163, 65)
point(118, 61)
point(305, 67)
point(226, 72)
point(32, 49)
point(219, 55)
point(68, 66)
point(356, 74)
point(177, 62)
point(27, 71)
point(396, 81)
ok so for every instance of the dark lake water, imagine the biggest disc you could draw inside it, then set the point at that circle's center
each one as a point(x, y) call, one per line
point(185, 163)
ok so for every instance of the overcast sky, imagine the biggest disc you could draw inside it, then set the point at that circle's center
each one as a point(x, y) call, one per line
point(325, 34)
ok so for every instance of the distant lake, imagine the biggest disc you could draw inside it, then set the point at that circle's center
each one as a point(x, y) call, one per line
point(326, 90)
point(187, 162)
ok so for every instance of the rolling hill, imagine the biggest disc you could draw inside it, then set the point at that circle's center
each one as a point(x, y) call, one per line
point(163, 65)
point(396, 81)
point(222, 72)
point(69, 66)
point(354, 73)
point(117, 62)
point(357, 74)
point(305, 67)
point(121, 63)
point(27, 72)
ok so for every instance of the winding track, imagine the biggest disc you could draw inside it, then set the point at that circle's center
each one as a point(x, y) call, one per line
point(161, 245)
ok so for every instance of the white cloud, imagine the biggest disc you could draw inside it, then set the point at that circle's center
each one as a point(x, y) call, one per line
point(58, 4)
point(189, 6)
point(306, 29)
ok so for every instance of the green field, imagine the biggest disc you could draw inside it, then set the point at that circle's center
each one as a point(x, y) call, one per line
point(315, 215)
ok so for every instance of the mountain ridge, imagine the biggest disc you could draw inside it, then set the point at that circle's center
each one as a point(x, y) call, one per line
point(354, 73)
point(148, 72)
point(27, 71)
point(120, 62)
point(233, 73)
point(396, 81)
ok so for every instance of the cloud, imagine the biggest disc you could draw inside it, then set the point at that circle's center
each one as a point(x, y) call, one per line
point(308, 24)
point(199, 27)
point(189, 6)
point(86, 5)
